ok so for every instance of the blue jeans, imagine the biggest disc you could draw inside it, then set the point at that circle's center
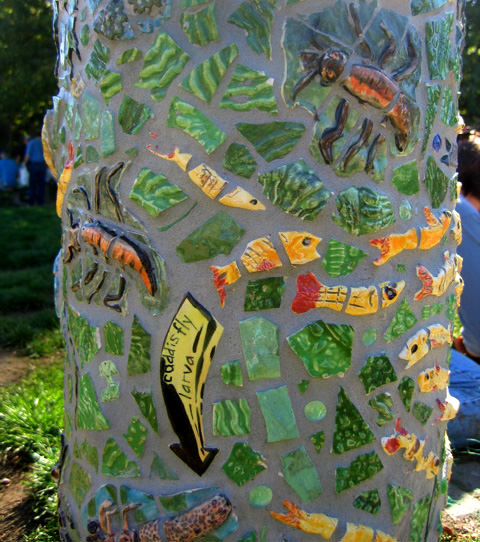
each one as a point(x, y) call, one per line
point(36, 182)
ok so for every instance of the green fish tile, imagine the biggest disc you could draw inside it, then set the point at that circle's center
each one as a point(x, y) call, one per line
point(383, 404)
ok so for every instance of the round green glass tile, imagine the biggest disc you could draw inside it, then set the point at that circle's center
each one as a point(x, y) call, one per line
point(315, 411)
point(260, 496)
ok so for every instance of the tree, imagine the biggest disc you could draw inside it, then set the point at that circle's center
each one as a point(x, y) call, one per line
point(470, 87)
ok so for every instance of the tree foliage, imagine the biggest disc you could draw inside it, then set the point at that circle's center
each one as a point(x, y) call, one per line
point(470, 89)
point(27, 59)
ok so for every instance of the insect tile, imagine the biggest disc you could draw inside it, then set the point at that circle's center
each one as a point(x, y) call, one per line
point(231, 418)
point(112, 22)
point(436, 183)
point(205, 79)
point(107, 134)
point(201, 27)
point(113, 334)
point(363, 210)
point(147, 509)
point(107, 370)
point(362, 468)
point(218, 235)
point(315, 411)
point(406, 389)
point(295, 189)
point(193, 122)
point(383, 404)
point(155, 193)
point(257, 20)
point(301, 475)
point(132, 115)
point(399, 499)
point(278, 414)
point(318, 441)
point(160, 469)
point(249, 89)
point(231, 373)
point(79, 483)
point(243, 464)
point(136, 436)
point(377, 372)
point(263, 294)
point(128, 56)
point(239, 160)
point(260, 348)
point(368, 501)
point(422, 412)
point(272, 140)
point(405, 178)
point(116, 463)
point(403, 320)
point(351, 431)
point(437, 40)
point(421, 510)
point(139, 354)
point(88, 414)
point(162, 63)
point(341, 259)
point(260, 496)
point(144, 401)
point(325, 349)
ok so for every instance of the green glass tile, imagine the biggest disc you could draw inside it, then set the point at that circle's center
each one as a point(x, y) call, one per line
point(139, 355)
point(315, 411)
point(145, 404)
point(437, 40)
point(436, 183)
point(238, 160)
point(362, 468)
point(147, 508)
point(260, 348)
point(303, 386)
point(295, 189)
point(218, 235)
point(129, 55)
point(112, 22)
point(162, 63)
point(110, 85)
point(250, 89)
point(351, 431)
point(256, 18)
point(180, 502)
point(68, 424)
point(91, 155)
point(79, 483)
point(155, 193)
point(405, 178)
point(431, 310)
point(383, 404)
point(422, 412)
point(405, 211)
point(108, 370)
point(91, 115)
point(399, 499)
point(451, 307)
point(133, 115)
point(193, 122)
point(204, 80)
point(433, 97)
point(260, 496)
point(301, 475)
point(201, 27)
point(78, 157)
point(368, 501)
point(263, 294)
point(63, 132)
point(406, 389)
point(419, 519)
point(90, 453)
point(107, 134)
point(69, 111)
point(113, 334)
point(231, 418)
point(161, 470)
point(272, 140)
point(341, 259)
point(84, 336)
point(136, 436)
point(448, 110)
point(97, 63)
point(325, 349)
point(403, 320)
point(85, 35)
point(370, 337)
point(132, 152)
point(363, 210)
point(232, 373)
point(243, 464)
point(318, 440)
point(401, 268)
point(377, 372)
point(88, 413)
point(424, 6)
point(278, 414)
point(116, 463)
point(192, 3)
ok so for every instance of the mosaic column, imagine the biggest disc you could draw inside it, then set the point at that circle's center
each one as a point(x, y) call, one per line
point(258, 275)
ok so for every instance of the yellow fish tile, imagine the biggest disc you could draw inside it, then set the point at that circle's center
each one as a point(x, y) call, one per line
point(242, 199)
point(208, 180)
point(300, 246)
point(260, 255)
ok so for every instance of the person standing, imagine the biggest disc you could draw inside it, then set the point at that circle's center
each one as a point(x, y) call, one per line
point(37, 170)
point(8, 172)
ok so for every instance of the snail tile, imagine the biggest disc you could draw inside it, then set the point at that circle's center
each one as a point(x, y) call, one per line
point(383, 404)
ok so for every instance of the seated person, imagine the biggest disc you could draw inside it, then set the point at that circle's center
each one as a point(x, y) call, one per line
point(8, 172)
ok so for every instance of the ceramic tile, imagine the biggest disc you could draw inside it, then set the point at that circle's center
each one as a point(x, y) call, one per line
point(377, 372)
point(315, 411)
point(264, 294)
point(422, 412)
point(144, 401)
point(91, 155)
point(98, 60)
point(85, 35)
point(132, 115)
point(231, 418)
point(238, 160)
point(437, 39)
point(424, 6)
point(433, 98)
point(368, 501)
point(301, 475)
point(325, 349)
point(91, 115)
point(294, 188)
point(146, 6)
point(112, 22)
point(116, 463)
point(278, 414)
point(362, 468)
point(260, 496)
point(231, 373)
point(399, 499)
point(438, 284)
point(107, 134)
point(139, 354)
point(161, 470)
point(113, 334)
point(405, 211)
point(147, 509)
point(436, 183)
point(129, 55)
point(303, 386)
point(201, 27)
point(341, 259)
point(88, 414)
point(448, 109)
point(79, 483)
point(370, 337)
point(242, 199)
point(136, 436)
point(318, 441)
point(90, 453)
point(436, 143)
point(405, 178)
point(110, 85)
point(260, 348)
point(300, 246)
point(260, 255)
point(406, 389)
point(304, 521)
point(403, 320)
point(243, 464)
point(85, 337)
point(383, 404)
point(224, 276)
point(419, 519)
point(107, 370)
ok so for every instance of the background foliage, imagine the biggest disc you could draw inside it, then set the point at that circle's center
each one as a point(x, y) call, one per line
point(470, 90)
